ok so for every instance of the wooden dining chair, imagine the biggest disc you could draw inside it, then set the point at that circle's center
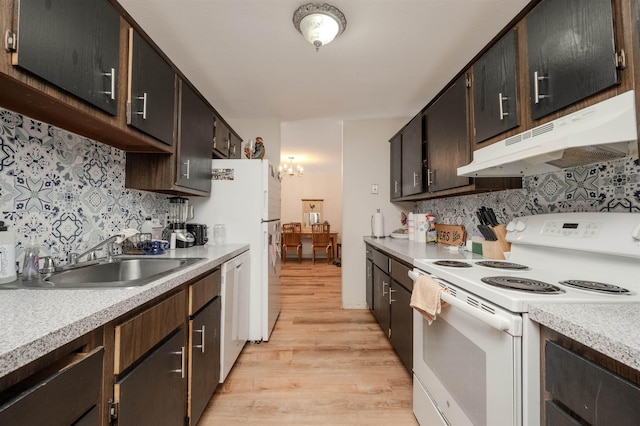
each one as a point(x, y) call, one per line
point(321, 240)
point(291, 239)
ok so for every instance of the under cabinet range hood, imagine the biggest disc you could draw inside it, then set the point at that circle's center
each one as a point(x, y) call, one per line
point(601, 132)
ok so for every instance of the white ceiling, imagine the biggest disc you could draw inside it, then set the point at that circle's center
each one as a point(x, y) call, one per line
point(248, 60)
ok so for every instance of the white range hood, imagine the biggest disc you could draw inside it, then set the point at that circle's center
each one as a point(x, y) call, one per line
point(600, 132)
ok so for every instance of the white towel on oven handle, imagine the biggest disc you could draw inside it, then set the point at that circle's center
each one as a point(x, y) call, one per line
point(425, 297)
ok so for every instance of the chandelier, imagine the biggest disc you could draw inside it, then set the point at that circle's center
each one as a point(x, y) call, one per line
point(319, 23)
point(290, 170)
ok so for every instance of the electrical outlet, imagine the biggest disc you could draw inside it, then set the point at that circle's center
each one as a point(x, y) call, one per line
point(374, 188)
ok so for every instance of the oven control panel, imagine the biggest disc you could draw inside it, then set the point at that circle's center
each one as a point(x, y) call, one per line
point(571, 229)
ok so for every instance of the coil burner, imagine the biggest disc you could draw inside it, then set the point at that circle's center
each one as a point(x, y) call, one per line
point(523, 284)
point(595, 286)
point(501, 265)
point(452, 263)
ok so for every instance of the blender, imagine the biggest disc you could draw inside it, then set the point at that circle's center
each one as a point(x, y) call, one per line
point(179, 213)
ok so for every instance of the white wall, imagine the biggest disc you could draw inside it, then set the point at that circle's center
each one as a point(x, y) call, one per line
point(365, 152)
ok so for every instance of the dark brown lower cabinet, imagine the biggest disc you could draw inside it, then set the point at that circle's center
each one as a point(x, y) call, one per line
point(204, 358)
point(401, 334)
point(153, 392)
point(62, 394)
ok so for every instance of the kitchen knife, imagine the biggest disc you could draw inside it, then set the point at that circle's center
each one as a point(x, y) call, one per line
point(484, 229)
point(492, 216)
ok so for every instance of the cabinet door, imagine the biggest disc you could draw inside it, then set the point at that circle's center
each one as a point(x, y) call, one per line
point(412, 165)
point(151, 105)
point(571, 51)
point(73, 44)
point(402, 324)
point(196, 133)
point(153, 392)
point(369, 283)
point(381, 311)
point(204, 358)
point(221, 140)
point(235, 149)
point(395, 155)
point(495, 97)
point(447, 138)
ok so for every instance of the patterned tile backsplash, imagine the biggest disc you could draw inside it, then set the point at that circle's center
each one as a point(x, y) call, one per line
point(612, 186)
point(63, 191)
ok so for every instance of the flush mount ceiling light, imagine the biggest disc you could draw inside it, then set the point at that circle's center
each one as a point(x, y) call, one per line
point(291, 170)
point(319, 23)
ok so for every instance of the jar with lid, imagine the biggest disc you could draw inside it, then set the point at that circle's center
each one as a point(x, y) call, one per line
point(7, 254)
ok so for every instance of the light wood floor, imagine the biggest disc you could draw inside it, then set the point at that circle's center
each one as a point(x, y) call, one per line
point(322, 365)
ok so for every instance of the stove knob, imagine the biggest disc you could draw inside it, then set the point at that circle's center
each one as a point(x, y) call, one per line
point(521, 226)
point(511, 226)
point(636, 233)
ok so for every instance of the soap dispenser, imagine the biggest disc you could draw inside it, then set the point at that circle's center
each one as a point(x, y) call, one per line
point(7, 255)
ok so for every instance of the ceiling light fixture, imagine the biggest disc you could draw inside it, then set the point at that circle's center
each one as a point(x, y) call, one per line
point(291, 170)
point(319, 23)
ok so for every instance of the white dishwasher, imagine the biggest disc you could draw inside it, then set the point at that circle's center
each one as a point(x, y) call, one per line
point(235, 311)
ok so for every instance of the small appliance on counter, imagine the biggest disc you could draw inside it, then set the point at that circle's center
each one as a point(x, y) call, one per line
point(199, 232)
point(179, 213)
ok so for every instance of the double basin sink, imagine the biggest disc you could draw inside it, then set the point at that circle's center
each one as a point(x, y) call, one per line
point(122, 272)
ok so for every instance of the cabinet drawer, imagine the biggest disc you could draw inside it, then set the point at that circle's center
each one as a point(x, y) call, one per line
point(65, 393)
point(597, 395)
point(400, 274)
point(380, 259)
point(203, 291)
point(138, 335)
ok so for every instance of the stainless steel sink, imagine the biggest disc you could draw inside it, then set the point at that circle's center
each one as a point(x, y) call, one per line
point(121, 273)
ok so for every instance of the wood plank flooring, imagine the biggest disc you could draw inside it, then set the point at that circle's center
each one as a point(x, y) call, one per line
point(323, 365)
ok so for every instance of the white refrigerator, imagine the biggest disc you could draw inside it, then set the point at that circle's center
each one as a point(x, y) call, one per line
point(245, 197)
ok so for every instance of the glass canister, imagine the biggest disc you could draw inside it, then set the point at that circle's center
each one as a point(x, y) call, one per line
point(219, 234)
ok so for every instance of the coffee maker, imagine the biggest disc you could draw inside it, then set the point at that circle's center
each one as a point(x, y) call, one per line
point(179, 213)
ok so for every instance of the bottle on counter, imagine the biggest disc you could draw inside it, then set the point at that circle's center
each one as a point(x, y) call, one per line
point(432, 234)
point(31, 262)
point(7, 254)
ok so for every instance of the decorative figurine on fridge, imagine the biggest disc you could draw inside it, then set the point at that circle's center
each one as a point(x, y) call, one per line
point(256, 150)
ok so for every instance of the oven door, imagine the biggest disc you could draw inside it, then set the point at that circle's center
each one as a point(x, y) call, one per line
point(467, 363)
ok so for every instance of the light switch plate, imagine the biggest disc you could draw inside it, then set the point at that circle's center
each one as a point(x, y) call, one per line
point(374, 188)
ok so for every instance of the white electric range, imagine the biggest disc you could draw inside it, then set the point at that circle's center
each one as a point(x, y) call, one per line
point(479, 362)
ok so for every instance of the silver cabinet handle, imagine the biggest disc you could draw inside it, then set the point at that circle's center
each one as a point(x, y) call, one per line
point(501, 99)
point(234, 149)
point(536, 87)
point(429, 177)
point(187, 164)
point(391, 299)
point(395, 186)
point(202, 333)
point(384, 291)
point(144, 106)
point(415, 183)
point(111, 74)
point(368, 271)
point(182, 368)
point(228, 141)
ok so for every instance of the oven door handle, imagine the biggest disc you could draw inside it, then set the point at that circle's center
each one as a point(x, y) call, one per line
point(494, 321)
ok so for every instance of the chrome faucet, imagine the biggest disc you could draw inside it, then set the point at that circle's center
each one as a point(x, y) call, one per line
point(91, 253)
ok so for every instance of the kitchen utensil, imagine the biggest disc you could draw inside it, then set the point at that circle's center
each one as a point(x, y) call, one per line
point(199, 232)
point(179, 213)
point(492, 216)
point(483, 227)
point(219, 234)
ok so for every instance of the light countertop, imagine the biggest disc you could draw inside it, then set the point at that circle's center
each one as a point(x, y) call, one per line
point(36, 322)
point(612, 329)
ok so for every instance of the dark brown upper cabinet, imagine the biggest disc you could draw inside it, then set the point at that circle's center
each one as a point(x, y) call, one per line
point(395, 147)
point(412, 157)
point(495, 94)
point(72, 44)
point(152, 91)
point(196, 134)
point(447, 138)
point(571, 52)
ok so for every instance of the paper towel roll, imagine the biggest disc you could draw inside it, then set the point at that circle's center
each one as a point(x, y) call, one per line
point(377, 225)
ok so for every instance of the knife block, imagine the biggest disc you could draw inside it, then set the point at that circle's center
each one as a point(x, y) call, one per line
point(496, 249)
